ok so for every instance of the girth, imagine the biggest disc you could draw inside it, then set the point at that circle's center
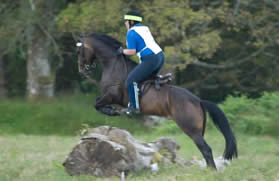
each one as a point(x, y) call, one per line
point(156, 80)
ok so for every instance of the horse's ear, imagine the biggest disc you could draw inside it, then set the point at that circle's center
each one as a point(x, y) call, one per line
point(79, 44)
point(79, 40)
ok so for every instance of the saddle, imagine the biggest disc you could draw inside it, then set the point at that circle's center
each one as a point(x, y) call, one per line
point(156, 80)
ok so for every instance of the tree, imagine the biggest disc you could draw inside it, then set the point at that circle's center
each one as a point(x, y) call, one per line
point(246, 63)
point(216, 47)
point(3, 89)
point(40, 80)
point(86, 17)
point(29, 38)
point(6, 30)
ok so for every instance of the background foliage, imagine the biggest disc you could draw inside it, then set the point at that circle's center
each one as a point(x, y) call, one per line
point(216, 48)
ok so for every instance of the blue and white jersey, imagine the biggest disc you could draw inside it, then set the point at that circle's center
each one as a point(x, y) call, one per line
point(140, 38)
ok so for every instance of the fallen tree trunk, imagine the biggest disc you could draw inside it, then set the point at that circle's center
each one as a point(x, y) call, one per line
point(108, 151)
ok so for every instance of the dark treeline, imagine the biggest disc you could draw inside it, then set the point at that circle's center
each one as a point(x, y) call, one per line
point(214, 47)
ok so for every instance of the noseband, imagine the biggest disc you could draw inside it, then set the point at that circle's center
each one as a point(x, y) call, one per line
point(86, 66)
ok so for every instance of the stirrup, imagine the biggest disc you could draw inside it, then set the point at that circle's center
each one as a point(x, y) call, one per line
point(130, 111)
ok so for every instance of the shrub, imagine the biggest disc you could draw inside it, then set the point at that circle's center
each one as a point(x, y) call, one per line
point(254, 116)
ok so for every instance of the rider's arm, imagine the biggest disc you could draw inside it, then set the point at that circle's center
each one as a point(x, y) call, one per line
point(129, 51)
point(131, 43)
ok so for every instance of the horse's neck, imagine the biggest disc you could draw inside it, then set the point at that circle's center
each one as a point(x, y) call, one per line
point(130, 64)
point(116, 70)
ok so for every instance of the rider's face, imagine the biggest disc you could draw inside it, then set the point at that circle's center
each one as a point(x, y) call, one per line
point(127, 24)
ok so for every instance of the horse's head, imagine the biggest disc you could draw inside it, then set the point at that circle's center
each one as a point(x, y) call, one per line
point(93, 46)
point(86, 56)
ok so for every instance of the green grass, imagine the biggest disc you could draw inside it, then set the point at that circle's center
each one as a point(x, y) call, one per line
point(61, 116)
point(35, 139)
point(39, 158)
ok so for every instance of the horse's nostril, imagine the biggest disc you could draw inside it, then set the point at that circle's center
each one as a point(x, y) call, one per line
point(93, 65)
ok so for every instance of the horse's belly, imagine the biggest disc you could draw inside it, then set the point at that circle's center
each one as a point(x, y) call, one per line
point(154, 102)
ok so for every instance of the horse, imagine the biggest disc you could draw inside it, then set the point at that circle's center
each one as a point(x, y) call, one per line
point(173, 102)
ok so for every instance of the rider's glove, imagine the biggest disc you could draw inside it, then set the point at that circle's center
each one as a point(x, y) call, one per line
point(120, 50)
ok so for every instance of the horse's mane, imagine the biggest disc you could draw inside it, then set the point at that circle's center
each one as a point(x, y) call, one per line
point(112, 43)
point(108, 40)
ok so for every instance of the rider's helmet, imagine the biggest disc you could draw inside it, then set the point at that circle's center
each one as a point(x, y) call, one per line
point(133, 16)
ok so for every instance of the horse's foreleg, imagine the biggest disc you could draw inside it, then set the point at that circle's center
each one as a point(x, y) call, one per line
point(204, 149)
point(103, 105)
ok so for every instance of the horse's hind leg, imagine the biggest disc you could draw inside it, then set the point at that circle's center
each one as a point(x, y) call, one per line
point(191, 121)
point(195, 132)
point(204, 149)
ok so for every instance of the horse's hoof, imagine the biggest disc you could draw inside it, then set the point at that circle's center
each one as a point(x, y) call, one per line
point(129, 112)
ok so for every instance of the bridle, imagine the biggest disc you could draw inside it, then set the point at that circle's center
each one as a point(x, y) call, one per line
point(87, 67)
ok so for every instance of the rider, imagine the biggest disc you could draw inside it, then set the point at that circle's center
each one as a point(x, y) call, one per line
point(141, 42)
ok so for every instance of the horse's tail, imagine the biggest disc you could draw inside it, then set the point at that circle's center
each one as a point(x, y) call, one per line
point(222, 123)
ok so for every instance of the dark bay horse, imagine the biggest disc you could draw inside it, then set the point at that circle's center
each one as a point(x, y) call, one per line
point(170, 101)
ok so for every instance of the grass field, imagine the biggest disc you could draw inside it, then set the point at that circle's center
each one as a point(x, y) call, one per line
point(40, 158)
point(60, 116)
point(36, 138)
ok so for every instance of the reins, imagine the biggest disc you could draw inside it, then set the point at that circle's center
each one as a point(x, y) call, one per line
point(88, 66)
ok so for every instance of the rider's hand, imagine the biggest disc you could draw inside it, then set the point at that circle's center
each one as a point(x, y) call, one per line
point(120, 50)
